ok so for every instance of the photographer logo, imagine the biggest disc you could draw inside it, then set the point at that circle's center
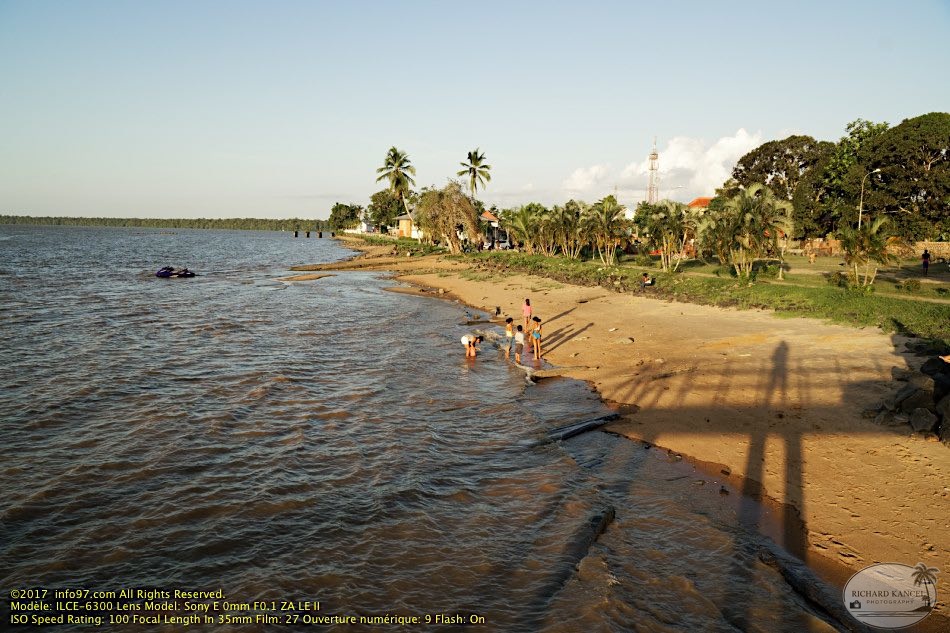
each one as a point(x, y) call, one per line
point(892, 595)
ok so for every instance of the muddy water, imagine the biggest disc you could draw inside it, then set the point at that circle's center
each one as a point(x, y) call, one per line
point(328, 441)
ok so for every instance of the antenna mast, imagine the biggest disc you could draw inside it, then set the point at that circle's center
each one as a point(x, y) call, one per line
point(653, 187)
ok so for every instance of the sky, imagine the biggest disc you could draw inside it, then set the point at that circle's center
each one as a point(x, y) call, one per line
point(279, 109)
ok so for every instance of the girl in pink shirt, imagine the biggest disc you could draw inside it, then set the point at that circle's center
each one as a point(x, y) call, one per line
point(526, 313)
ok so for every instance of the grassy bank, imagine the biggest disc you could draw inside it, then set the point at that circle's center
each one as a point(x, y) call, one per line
point(811, 297)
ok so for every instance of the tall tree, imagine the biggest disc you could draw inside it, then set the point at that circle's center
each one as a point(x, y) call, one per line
point(345, 216)
point(845, 155)
point(913, 186)
point(822, 199)
point(780, 164)
point(476, 169)
point(444, 213)
point(399, 172)
point(383, 208)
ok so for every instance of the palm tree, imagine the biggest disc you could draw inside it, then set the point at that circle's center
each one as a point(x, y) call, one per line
point(522, 224)
point(924, 575)
point(399, 172)
point(757, 219)
point(866, 247)
point(666, 230)
point(568, 227)
point(476, 170)
point(605, 223)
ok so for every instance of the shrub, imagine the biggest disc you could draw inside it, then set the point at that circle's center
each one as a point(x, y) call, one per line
point(838, 279)
point(643, 259)
point(912, 285)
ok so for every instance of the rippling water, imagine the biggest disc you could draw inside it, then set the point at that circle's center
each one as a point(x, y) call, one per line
point(327, 441)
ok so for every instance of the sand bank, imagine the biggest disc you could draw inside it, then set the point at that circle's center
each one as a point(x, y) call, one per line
point(774, 402)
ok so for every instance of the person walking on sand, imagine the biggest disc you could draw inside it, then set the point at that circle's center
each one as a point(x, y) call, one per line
point(526, 313)
point(519, 344)
point(470, 341)
point(509, 335)
point(925, 258)
point(536, 337)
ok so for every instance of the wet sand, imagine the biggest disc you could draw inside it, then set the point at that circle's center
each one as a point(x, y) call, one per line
point(774, 404)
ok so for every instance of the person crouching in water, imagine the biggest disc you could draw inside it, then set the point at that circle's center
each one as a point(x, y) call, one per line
point(519, 344)
point(509, 335)
point(536, 337)
point(470, 341)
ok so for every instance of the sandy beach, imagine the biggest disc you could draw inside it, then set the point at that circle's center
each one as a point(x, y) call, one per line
point(773, 405)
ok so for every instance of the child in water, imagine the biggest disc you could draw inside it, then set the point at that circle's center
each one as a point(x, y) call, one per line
point(470, 341)
point(509, 335)
point(519, 344)
point(536, 337)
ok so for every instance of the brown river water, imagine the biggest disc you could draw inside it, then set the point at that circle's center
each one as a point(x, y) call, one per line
point(327, 441)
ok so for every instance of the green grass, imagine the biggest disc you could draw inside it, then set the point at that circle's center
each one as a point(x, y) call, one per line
point(403, 244)
point(801, 295)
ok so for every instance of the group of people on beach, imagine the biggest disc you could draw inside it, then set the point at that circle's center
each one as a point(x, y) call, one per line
point(514, 335)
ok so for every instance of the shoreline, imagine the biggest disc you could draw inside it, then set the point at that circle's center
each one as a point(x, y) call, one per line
point(771, 406)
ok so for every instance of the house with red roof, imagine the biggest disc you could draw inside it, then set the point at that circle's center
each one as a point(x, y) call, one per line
point(700, 203)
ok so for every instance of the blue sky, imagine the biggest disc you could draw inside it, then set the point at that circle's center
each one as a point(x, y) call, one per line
point(280, 109)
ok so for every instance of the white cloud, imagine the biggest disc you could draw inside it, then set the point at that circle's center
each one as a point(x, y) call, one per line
point(688, 168)
point(586, 178)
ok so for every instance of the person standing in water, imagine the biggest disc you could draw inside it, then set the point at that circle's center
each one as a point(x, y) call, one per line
point(509, 335)
point(519, 344)
point(526, 313)
point(536, 337)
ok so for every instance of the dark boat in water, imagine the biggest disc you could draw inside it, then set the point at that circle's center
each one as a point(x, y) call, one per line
point(168, 271)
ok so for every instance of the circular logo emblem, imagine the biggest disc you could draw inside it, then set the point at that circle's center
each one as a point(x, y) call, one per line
point(891, 595)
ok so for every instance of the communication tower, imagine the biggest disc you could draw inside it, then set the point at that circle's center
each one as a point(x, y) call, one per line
point(653, 186)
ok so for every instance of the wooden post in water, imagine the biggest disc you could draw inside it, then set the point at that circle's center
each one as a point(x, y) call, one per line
point(296, 233)
point(308, 234)
point(320, 235)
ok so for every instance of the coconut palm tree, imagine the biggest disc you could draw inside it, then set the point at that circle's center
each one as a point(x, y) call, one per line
point(666, 230)
point(568, 227)
point(606, 224)
point(924, 575)
point(757, 219)
point(476, 170)
point(399, 172)
point(714, 232)
point(522, 224)
point(867, 247)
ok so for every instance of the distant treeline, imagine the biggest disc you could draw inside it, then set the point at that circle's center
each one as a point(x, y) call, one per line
point(245, 224)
